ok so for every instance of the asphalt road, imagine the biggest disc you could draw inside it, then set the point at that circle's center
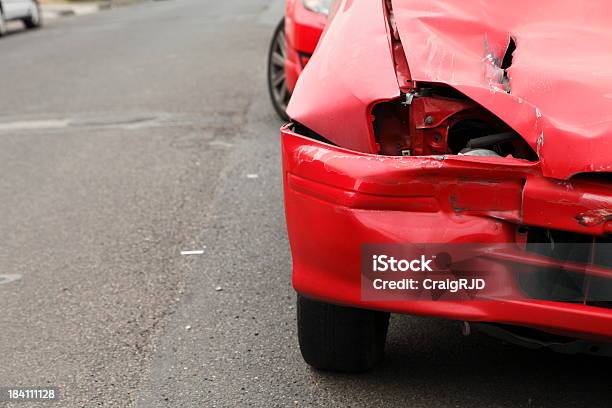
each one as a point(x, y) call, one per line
point(131, 135)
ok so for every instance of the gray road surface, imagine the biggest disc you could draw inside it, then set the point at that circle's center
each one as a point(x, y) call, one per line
point(129, 136)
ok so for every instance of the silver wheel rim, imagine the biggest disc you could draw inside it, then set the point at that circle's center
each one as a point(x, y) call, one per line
point(277, 71)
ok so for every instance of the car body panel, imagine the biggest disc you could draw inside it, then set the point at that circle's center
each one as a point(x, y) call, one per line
point(462, 49)
point(346, 84)
point(16, 9)
point(560, 96)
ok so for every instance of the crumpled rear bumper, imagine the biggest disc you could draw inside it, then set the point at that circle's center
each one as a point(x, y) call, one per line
point(336, 200)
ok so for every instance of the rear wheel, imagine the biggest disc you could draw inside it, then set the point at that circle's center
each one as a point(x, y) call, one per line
point(338, 338)
point(34, 20)
point(277, 84)
point(2, 24)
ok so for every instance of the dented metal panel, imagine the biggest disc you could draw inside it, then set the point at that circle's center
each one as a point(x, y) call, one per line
point(559, 95)
point(571, 206)
point(352, 71)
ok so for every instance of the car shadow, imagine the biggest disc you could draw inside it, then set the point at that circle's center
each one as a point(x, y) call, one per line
point(15, 28)
point(430, 363)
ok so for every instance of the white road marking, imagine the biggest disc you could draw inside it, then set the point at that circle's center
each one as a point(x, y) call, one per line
point(220, 144)
point(34, 124)
point(4, 279)
point(252, 176)
point(198, 252)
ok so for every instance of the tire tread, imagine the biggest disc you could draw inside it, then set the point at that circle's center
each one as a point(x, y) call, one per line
point(338, 338)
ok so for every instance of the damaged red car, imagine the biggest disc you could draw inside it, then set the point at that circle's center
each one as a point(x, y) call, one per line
point(443, 122)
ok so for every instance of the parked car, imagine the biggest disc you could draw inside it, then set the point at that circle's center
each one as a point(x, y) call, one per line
point(293, 43)
point(442, 122)
point(27, 11)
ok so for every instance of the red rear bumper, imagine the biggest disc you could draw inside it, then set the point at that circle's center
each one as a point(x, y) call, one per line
point(336, 200)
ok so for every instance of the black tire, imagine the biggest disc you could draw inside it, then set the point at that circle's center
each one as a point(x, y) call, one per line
point(34, 20)
point(2, 24)
point(337, 338)
point(277, 86)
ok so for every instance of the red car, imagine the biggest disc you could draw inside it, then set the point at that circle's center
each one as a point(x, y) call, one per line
point(435, 122)
point(293, 43)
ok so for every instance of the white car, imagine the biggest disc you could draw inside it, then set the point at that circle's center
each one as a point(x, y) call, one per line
point(27, 11)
